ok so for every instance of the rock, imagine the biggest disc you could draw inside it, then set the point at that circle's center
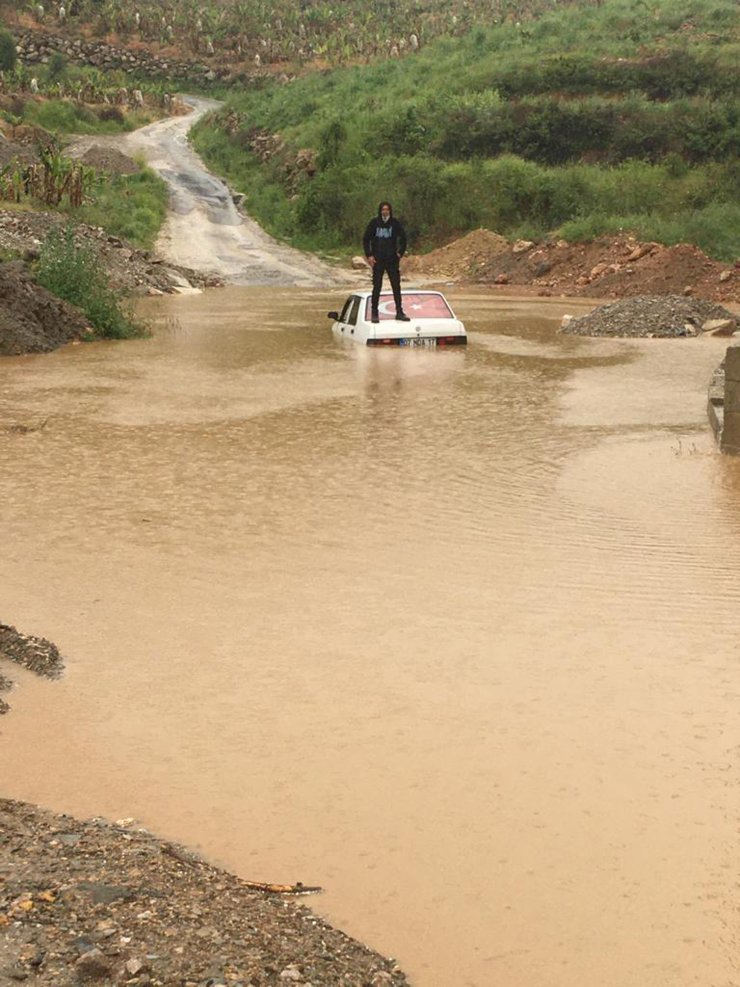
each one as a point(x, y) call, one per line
point(566, 320)
point(720, 327)
point(641, 250)
point(501, 279)
point(725, 276)
point(291, 974)
point(598, 270)
point(134, 966)
point(13, 973)
point(688, 290)
point(521, 246)
point(93, 965)
point(359, 263)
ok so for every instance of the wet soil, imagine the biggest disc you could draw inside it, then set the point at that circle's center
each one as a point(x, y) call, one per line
point(32, 320)
point(609, 267)
point(90, 902)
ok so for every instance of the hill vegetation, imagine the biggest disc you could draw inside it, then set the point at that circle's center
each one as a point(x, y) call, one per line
point(279, 31)
point(586, 120)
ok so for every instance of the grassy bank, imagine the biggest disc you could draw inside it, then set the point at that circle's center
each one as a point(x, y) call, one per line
point(64, 116)
point(71, 271)
point(129, 206)
point(587, 120)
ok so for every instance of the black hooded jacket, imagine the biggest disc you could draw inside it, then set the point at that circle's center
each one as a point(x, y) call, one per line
point(384, 241)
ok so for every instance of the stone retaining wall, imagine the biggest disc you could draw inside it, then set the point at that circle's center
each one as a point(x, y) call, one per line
point(35, 47)
point(724, 402)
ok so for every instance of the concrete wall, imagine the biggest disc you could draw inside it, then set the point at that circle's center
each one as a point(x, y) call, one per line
point(730, 437)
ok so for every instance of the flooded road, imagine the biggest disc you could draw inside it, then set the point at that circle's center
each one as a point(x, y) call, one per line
point(454, 635)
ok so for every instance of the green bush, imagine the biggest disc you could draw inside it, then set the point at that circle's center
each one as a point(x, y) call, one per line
point(8, 53)
point(72, 272)
point(131, 206)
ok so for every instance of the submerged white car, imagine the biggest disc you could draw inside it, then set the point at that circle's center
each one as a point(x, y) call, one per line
point(431, 321)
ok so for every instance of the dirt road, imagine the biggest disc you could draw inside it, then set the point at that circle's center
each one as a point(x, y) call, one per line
point(204, 230)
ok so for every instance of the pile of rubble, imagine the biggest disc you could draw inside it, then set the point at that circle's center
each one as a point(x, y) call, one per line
point(616, 267)
point(653, 316)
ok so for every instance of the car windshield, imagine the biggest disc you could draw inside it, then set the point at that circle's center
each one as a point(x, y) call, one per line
point(416, 304)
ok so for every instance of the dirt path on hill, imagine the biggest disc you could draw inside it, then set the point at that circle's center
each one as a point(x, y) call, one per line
point(204, 230)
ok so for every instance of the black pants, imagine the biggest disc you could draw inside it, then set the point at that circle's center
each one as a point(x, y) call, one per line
point(394, 276)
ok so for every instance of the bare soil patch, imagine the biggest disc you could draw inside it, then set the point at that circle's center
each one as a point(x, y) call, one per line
point(617, 267)
point(464, 258)
point(109, 160)
point(32, 320)
point(90, 902)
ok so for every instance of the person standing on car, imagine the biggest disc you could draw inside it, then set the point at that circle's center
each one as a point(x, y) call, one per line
point(385, 244)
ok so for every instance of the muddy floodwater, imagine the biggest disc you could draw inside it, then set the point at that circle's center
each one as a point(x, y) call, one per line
point(455, 635)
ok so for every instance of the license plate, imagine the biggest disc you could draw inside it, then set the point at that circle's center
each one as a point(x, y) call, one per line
point(418, 341)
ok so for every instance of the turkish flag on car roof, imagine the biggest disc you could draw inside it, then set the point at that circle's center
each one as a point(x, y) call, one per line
point(417, 305)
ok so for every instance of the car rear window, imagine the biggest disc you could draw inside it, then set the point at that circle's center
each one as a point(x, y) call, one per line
point(417, 305)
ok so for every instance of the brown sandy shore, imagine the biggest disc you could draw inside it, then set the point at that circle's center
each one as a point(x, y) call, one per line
point(99, 903)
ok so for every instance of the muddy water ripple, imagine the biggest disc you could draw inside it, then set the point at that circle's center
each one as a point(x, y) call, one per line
point(454, 635)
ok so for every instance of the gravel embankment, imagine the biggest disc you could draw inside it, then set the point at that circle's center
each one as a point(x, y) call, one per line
point(132, 270)
point(95, 903)
point(651, 316)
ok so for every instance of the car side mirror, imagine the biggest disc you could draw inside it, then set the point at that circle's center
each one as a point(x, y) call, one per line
point(333, 315)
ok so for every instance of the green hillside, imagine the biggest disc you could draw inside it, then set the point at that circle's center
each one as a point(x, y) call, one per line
point(582, 121)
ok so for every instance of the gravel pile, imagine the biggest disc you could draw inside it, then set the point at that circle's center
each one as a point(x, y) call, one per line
point(34, 653)
point(648, 315)
point(94, 903)
point(109, 160)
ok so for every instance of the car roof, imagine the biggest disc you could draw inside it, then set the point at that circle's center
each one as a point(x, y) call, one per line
point(389, 294)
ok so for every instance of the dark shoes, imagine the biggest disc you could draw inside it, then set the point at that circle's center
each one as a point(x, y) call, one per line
point(375, 317)
point(402, 317)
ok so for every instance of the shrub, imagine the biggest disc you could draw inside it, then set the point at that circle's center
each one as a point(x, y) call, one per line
point(131, 206)
point(72, 272)
point(57, 67)
point(8, 53)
